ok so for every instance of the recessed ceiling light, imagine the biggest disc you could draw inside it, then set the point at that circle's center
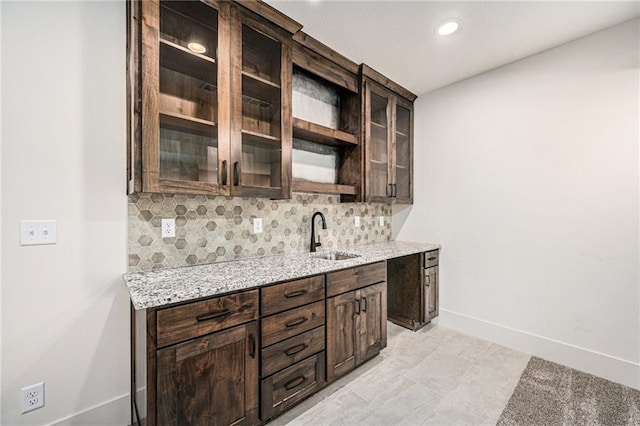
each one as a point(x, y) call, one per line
point(196, 47)
point(448, 27)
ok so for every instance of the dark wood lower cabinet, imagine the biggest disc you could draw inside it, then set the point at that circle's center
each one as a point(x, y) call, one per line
point(211, 380)
point(431, 287)
point(356, 328)
point(341, 334)
point(246, 357)
point(372, 337)
point(412, 297)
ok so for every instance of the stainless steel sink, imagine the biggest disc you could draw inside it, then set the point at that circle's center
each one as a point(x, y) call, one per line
point(335, 255)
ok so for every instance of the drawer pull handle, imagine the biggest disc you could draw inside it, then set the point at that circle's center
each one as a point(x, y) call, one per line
point(295, 294)
point(294, 350)
point(432, 258)
point(294, 383)
point(213, 316)
point(297, 322)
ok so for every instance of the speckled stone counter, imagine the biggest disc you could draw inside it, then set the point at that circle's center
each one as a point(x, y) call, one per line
point(167, 286)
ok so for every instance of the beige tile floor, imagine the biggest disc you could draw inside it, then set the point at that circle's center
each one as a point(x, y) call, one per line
point(435, 376)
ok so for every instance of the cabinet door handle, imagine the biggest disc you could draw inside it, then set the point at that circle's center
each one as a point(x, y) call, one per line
point(428, 283)
point(236, 173)
point(357, 302)
point(294, 350)
point(224, 172)
point(252, 346)
point(389, 190)
point(294, 383)
point(395, 190)
point(212, 315)
point(364, 300)
point(297, 322)
point(295, 294)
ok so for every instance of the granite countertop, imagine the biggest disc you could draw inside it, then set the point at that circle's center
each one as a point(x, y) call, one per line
point(157, 288)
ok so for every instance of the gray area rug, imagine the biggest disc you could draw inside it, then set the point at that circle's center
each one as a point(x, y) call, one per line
point(552, 394)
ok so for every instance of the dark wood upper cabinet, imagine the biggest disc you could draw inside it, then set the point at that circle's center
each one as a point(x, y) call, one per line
point(326, 120)
point(387, 111)
point(210, 98)
point(182, 118)
point(260, 107)
point(231, 98)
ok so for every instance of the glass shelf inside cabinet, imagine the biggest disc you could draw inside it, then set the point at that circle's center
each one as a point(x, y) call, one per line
point(187, 100)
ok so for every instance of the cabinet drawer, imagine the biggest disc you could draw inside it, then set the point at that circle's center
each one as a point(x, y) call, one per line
point(200, 318)
point(286, 388)
point(290, 323)
point(291, 294)
point(290, 351)
point(431, 258)
point(354, 278)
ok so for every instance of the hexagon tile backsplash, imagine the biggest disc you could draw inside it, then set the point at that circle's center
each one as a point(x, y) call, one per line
point(216, 229)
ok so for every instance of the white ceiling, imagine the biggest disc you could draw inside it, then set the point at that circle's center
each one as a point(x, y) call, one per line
point(397, 37)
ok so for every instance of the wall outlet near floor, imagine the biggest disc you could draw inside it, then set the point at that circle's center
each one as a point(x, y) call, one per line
point(381, 220)
point(257, 225)
point(32, 397)
point(37, 232)
point(168, 228)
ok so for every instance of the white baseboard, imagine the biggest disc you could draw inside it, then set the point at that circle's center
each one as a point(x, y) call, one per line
point(592, 362)
point(115, 412)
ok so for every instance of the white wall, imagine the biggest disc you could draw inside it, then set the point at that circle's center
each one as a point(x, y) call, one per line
point(0, 211)
point(65, 310)
point(529, 177)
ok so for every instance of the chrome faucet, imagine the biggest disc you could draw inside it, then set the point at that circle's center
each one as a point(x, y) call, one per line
point(315, 244)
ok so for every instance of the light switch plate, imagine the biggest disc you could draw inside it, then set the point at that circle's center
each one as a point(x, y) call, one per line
point(257, 225)
point(356, 220)
point(37, 232)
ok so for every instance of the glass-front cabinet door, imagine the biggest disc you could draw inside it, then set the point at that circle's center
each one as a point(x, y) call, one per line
point(388, 136)
point(261, 108)
point(378, 137)
point(403, 159)
point(181, 118)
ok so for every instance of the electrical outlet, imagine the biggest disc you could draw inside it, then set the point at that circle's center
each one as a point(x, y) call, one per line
point(381, 220)
point(168, 228)
point(257, 225)
point(356, 221)
point(37, 232)
point(32, 397)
